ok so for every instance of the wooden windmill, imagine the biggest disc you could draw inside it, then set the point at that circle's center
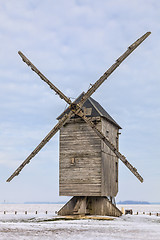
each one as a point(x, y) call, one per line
point(88, 149)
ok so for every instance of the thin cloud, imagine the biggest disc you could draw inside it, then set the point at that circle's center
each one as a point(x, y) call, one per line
point(73, 43)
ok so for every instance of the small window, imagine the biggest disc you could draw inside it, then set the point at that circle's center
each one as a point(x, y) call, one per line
point(87, 111)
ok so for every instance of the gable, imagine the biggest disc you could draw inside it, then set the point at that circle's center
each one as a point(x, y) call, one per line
point(92, 108)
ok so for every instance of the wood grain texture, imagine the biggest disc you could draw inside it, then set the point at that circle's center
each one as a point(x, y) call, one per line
point(83, 178)
point(87, 166)
point(109, 161)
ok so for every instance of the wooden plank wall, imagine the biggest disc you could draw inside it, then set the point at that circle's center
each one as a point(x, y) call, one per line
point(109, 160)
point(80, 160)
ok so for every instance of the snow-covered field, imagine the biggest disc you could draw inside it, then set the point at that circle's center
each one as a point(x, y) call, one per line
point(40, 226)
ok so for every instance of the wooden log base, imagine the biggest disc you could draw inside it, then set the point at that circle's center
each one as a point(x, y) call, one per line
point(79, 217)
point(89, 206)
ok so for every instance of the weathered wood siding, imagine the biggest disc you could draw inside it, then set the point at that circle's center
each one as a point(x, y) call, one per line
point(80, 160)
point(87, 166)
point(109, 160)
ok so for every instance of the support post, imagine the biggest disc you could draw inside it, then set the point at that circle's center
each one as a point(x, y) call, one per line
point(89, 206)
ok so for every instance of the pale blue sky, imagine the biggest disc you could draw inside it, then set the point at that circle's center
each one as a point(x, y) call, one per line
point(73, 43)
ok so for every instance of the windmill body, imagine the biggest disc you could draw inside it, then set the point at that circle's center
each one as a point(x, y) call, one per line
point(89, 151)
point(87, 167)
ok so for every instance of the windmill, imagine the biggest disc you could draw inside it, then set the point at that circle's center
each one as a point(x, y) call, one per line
point(89, 151)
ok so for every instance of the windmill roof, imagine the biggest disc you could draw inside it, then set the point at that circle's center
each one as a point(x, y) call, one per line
point(97, 110)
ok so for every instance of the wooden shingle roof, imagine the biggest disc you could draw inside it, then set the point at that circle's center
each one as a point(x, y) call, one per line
point(97, 110)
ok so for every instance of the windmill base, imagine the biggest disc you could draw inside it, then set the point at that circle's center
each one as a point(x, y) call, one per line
point(89, 206)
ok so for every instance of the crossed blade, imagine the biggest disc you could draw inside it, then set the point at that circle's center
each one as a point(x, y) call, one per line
point(76, 109)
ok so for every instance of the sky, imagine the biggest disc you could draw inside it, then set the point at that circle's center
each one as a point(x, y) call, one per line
point(73, 43)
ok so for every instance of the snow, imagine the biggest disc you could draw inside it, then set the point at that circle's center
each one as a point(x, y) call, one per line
point(39, 226)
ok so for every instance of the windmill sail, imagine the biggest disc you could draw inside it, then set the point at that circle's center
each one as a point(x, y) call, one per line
point(77, 109)
point(41, 145)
